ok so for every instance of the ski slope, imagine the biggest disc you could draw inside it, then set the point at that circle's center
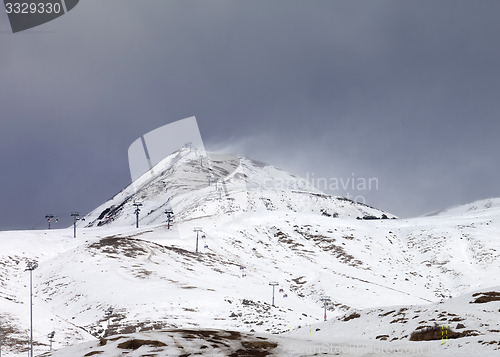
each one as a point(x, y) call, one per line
point(260, 225)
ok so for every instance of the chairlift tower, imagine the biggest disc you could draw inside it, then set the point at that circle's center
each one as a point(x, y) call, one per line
point(326, 300)
point(170, 217)
point(197, 230)
point(76, 218)
point(50, 336)
point(30, 267)
point(219, 190)
point(273, 284)
point(108, 313)
point(49, 218)
point(211, 180)
point(137, 210)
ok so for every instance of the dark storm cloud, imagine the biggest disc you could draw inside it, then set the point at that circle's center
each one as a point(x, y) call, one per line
point(403, 91)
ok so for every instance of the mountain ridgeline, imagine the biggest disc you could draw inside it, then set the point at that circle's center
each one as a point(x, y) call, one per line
point(220, 185)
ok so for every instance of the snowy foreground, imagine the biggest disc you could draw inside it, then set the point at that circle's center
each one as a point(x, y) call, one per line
point(388, 279)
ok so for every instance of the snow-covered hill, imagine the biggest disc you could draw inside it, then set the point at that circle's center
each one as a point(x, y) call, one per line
point(471, 208)
point(467, 325)
point(464, 326)
point(259, 225)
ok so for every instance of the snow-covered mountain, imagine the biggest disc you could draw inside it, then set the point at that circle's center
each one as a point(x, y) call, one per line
point(259, 225)
point(221, 187)
point(471, 208)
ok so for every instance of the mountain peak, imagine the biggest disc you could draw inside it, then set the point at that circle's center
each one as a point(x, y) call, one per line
point(195, 185)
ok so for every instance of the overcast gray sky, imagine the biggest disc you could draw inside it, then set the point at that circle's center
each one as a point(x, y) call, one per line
point(407, 92)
